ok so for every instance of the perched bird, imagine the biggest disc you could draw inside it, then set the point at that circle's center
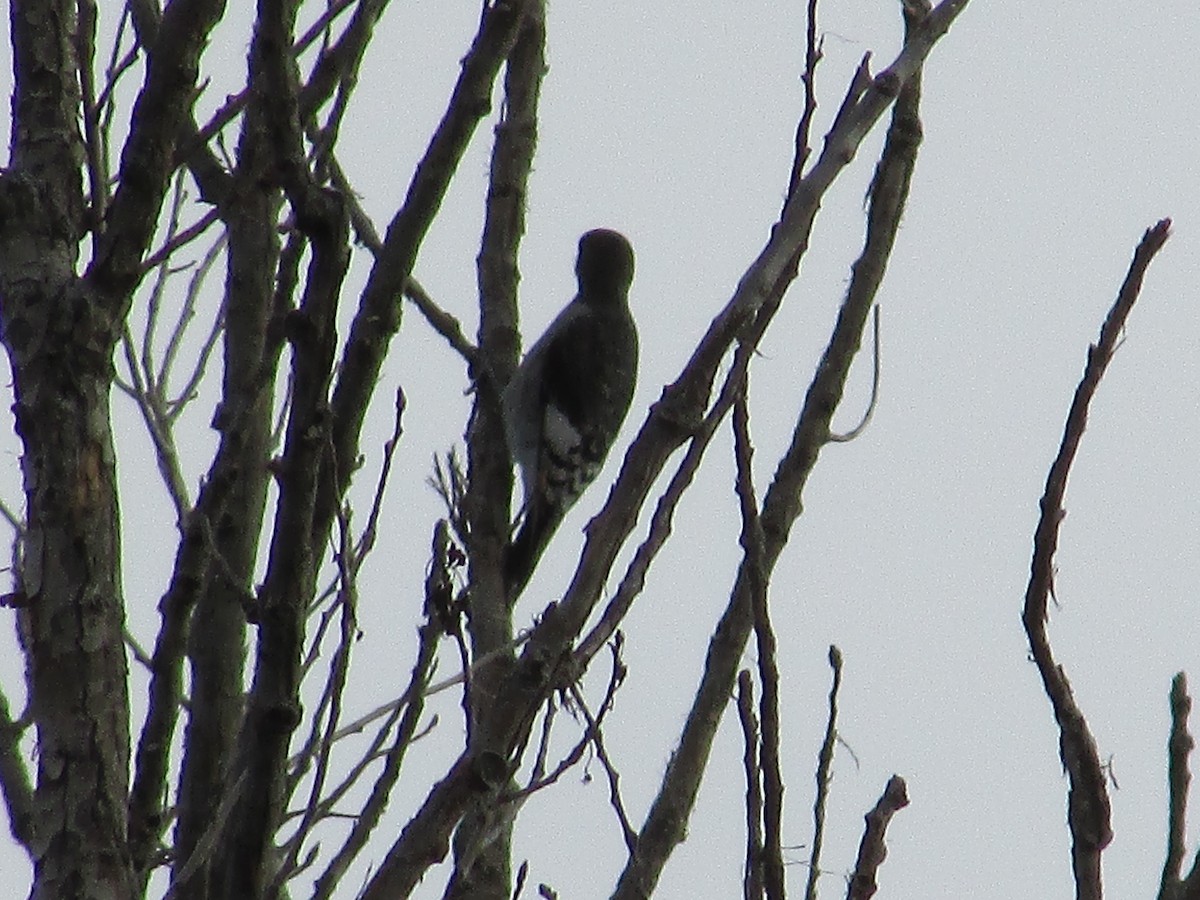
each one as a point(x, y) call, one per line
point(566, 402)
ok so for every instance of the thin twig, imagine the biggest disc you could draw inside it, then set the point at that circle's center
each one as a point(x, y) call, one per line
point(158, 426)
point(866, 419)
point(187, 312)
point(158, 290)
point(368, 235)
point(18, 525)
point(181, 239)
point(331, 697)
point(139, 654)
point(812, 57)
point(372, 811)
point(616, 678)
point(370, 532)
point(538, 769)
point(93, 142)
point(824, 767)
point(614, 790)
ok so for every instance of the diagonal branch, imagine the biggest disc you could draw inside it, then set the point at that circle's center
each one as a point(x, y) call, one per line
point(760, 290)
point(378, 317)
point(752, 879)
point(541, 668)
point(665, 824)
point(148, 160)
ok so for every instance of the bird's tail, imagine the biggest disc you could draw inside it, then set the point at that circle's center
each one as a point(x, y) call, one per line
point(540, 522)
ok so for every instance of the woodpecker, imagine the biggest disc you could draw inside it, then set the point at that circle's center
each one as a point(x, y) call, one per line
point(567, 400)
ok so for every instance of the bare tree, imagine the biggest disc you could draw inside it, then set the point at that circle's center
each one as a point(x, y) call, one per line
point(107, 239)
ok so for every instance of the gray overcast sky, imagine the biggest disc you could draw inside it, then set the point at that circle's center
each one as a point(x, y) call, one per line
point(1054, 135)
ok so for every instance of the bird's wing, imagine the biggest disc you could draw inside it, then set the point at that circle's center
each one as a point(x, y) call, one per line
point(525, 398)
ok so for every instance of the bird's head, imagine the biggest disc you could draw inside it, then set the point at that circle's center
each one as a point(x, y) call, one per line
point(605, 263)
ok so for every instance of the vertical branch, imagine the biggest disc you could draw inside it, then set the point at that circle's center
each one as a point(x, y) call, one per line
point(812, 57)
point(752, 882)
point(768, 667)
point(824, 765)
point(259, 286)
point(1088, 809)
point(489, 473)
point(873, 851)
point(484, 866)
point(93, 138)
point(1179, 748)
point(68, 584)
point(273, 709)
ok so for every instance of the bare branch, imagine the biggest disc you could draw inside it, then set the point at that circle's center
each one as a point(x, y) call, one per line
point(187, 312)
point(116, 67)
point(752, 880)
point(824, 768)
point(331, 700)
point(489, 466)
point(366, 233)
point(93, 139)
point(873, 851)
point(614, 790)
point(181, 239)
point(768, 666)
point(158, 428)
point(1089, 812)
point(761, 292)
point(366, 541)
point(1179, 777)
point(440, 320)
point(378, 316)
point(15, 521)
point(866, 419)
point(664, 511)
point(138, 652)
point(594, 723)
point(149, 156)
point(413, 703)
point(812, 58)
